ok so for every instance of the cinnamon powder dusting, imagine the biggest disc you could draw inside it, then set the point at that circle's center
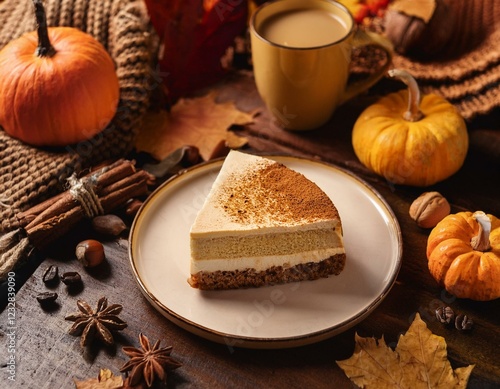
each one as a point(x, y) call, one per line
point(275, 192)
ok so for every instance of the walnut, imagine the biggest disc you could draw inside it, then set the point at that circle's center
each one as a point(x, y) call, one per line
point(429, 209)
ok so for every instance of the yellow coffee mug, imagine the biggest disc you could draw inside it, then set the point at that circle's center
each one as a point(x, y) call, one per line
point(301, 53)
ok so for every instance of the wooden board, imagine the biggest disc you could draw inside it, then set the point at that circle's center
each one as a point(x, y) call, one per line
point(48, 357)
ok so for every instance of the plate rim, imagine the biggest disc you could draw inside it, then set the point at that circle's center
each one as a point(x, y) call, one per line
point(263, 342)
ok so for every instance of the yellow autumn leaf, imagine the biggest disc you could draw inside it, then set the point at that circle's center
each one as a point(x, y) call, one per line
point(419, 361)
point(105, 380)
point(200, 122)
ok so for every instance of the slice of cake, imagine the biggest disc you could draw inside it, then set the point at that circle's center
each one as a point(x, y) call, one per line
point(263, 224)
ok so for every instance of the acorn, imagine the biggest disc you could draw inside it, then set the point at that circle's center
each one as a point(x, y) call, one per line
point(419, 29)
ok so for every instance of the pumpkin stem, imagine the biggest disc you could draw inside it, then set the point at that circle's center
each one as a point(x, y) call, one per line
point(481, 242)
point(45, 48)
point(413, 114)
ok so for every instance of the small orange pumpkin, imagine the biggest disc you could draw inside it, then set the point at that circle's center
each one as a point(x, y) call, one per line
point(463, 252)
point(58, 85)
point(411, 140)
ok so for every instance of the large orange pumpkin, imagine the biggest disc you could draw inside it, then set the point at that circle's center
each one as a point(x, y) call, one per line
point(58, 85)
point(463, 252)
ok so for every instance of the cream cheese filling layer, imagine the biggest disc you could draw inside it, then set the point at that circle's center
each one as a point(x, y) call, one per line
point(261, 263)
point(265, 244)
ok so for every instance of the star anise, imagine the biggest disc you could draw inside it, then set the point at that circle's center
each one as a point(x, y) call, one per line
point(148, 362)
point(90, 324)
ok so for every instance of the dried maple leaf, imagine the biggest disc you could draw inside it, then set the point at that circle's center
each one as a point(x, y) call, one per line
point(200, 122)
point(418, 361)
point(194, 35)
point(105, 380)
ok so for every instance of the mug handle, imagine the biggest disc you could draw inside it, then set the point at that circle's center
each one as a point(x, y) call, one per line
point(364, 38)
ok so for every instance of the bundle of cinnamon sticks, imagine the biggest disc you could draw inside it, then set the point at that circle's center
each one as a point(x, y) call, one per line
point(114, 185)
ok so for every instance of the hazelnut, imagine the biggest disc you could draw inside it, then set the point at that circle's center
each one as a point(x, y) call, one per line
point(429, 209)
point(90, 252)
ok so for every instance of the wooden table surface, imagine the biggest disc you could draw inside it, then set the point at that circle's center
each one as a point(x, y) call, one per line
point(48, 357)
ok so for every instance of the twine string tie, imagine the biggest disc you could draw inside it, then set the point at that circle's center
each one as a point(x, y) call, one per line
point(83, 191)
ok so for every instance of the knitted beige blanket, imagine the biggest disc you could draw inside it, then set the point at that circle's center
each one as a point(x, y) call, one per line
point(29, 175)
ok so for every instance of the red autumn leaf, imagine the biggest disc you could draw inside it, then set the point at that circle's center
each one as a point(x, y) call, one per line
point(194, 35)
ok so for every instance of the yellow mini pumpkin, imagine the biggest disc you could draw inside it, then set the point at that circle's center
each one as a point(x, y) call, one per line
point(408, 141)
point(463, 252)
point(58, 85)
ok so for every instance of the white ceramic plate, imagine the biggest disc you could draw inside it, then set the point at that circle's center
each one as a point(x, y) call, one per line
point(278, 316)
